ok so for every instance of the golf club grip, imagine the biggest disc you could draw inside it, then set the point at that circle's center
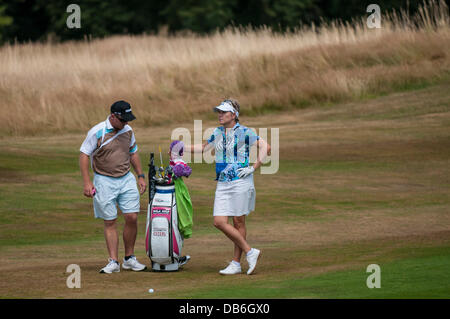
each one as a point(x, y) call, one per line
point(151, 174)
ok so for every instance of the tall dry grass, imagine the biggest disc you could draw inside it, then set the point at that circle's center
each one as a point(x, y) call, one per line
point(69, 87)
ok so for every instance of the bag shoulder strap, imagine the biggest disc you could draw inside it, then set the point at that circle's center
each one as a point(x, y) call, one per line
point(103, 142)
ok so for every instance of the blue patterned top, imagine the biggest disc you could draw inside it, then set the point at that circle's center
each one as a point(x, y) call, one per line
point(235, 154)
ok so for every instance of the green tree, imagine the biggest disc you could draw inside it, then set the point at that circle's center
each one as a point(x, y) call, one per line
point(25, 20)
point(197, 15)
point(346, 10)
point(98, 18)
point(5, 21)
point(292, 13)
point(29, 20)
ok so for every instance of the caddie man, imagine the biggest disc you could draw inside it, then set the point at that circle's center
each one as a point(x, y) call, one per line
point(109, 148)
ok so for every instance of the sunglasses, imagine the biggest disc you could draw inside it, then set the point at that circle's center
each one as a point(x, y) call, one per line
point(120, 119)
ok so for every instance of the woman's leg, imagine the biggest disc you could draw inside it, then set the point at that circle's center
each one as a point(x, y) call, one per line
point(239, 224)
point(221, 222)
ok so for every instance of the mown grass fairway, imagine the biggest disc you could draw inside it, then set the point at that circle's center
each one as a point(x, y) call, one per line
point(360, 183)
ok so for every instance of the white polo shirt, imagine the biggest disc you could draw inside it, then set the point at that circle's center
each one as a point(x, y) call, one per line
point(110, 149)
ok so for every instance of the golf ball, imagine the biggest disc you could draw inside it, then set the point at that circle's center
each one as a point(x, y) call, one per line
point(150, 290)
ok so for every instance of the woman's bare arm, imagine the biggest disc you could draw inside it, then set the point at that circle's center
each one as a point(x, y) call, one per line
point(197, 148)
point(264, 150)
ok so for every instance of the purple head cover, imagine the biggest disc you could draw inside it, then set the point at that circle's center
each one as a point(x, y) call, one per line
point(179, 167)
point(177, 147)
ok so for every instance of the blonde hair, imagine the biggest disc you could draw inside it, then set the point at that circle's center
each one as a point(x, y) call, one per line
point(235, 105)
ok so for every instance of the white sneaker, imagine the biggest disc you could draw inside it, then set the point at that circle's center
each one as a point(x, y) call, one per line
point(112, 266)
point(133, 264)
point(231, 269)
point(252, 259)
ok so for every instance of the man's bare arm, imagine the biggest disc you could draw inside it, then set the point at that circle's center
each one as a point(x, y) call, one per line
point(88, 186)
point(136, 163)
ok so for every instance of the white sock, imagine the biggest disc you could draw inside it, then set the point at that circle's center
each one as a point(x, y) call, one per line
point(236, 263)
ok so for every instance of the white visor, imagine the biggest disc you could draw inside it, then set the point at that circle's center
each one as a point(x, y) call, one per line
point(226, 107)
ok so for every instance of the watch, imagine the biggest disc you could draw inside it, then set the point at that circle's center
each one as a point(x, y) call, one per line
point(141, 175)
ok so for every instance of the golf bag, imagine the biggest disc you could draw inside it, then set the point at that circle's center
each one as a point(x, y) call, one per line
point(163, 241)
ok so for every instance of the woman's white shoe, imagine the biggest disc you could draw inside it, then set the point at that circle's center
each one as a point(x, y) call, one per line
point(231, 269)
point(252, 259)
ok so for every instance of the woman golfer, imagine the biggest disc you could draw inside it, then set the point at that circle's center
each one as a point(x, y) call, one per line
point(235, 192)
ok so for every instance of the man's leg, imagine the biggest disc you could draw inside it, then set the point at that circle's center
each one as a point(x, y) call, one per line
point(130, 232)
point(128, 201)
point(112, 239)
point(239, 224)
point(129, 239)
point(221, 222)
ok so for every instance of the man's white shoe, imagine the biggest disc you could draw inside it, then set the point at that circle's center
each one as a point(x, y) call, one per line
point(232, 269)
point(183, 260)
point(112, 266)
point(252, 259)
point(133, 264)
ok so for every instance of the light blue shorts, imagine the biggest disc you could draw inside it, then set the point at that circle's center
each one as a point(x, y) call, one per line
point(113, 191)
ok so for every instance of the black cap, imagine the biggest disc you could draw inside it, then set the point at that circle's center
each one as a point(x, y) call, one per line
point(123, 110)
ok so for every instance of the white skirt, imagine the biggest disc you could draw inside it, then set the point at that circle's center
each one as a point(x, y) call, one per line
point(235, 198)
